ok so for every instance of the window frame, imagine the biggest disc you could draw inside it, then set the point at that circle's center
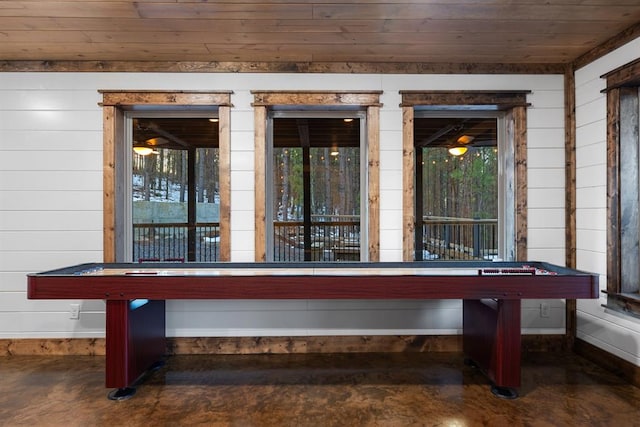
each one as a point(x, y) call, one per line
point(369, 101)
point(623, 118)
point(513, 105)
point(116, 151)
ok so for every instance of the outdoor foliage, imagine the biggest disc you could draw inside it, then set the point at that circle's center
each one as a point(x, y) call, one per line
point(461, 187)
point(163, 176)
point(334, 182)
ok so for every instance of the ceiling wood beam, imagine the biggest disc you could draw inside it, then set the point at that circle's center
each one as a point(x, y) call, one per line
point(281, 67)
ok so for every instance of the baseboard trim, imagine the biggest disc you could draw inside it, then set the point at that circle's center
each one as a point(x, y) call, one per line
point(315, 344)
point(608, 361)
point(52, 347)
point(273, 345)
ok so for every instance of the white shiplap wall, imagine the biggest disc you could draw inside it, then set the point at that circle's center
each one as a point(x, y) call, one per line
point(612, 332)
point(51, 201)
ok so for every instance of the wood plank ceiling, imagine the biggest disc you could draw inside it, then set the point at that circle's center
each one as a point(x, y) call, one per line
point(320, 31)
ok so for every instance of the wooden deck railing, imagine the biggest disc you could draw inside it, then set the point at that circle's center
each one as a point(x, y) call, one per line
point(176, 242)
point(459, 238)
point(332, 239)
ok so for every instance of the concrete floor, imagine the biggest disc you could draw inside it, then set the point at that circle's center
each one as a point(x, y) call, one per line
point(395, 389)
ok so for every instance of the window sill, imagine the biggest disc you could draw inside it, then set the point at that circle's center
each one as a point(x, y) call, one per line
point(625, 303)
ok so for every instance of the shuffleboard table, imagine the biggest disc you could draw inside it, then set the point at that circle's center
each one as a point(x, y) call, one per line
point(135, 295)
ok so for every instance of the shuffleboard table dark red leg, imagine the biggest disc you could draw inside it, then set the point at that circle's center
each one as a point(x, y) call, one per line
point(135, 342)
point(492, 340)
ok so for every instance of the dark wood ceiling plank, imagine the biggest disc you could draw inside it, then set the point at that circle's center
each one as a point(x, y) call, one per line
point(69, 9)
point(476, 11)
point(416, 40)
point(230, 10)
point(246, 26)
point(282, 67)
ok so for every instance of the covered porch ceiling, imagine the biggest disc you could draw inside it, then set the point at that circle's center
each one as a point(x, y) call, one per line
point(185, 133)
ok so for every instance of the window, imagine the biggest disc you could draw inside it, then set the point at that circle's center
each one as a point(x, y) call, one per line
point(623, 189)
point(314, 118)
point(176, 166)
point(434, 180)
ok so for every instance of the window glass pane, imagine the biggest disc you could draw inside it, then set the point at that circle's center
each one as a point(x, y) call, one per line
point(629, 176)
point(457, 188)
point(335, 202)
point(160, 186)
point(175, 199)
point(316, 189)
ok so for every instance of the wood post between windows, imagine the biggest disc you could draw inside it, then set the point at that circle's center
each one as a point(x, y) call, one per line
point(224, 164)
point(373, 172)
point(260, 146)
point(520, 153)
point(109, 183)
point(408, 190)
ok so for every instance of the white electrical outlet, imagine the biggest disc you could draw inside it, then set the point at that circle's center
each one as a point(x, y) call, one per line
point(544, 309)
point(74, 311)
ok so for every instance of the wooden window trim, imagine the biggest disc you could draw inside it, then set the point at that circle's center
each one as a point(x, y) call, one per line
point(178, 98)
point(313, 98)
point(265, 100)
point(626, 75)
point(114, 104)
point(514, 103)
point(501, 100)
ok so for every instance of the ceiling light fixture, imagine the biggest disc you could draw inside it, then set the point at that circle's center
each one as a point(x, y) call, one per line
point(142, 150)
point(465, 139)
point(156, 141)
point(458, 150)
